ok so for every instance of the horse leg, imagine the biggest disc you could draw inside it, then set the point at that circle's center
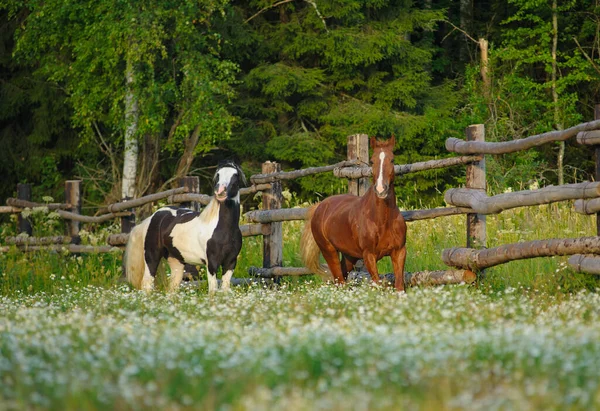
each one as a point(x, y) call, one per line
point(176, 273)
point(398, 260)
point(152, 258)
point(347, 264)
point(211, 275)
point(333, 261)
point(371, 265)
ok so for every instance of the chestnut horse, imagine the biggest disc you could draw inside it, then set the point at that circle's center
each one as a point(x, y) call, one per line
point(368, 227)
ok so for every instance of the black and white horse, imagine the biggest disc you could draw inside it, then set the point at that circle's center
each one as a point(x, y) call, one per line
point(185, 237)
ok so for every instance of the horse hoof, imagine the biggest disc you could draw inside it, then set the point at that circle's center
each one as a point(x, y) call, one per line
point(401, 294)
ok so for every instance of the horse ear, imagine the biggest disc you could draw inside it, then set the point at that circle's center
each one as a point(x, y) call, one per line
point(392, 141)
point(373, 143)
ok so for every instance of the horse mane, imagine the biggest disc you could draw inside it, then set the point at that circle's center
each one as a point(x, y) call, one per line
point(210, 212)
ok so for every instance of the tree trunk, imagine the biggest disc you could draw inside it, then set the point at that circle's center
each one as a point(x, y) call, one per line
point(557, 121)
point(128, 186)
point(466, 18)
point(185, 162)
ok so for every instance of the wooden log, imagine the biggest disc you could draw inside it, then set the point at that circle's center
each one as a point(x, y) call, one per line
point(118, 240)
point(590, 206)
point(401, 169)
point(358, 151)
point(127, 222)
point(439, 277)
point(70, 248)
point(468, 258)
point(481, 203)
point(192, 183)
point(9, 209)
point(414, 215)
point(476, 224)
point(235, 282)
point(22, 240)
point(415, 278)
point(247, 230)
point(20, 203)
point(585, 263)
point(189, 197)
point(291, 175)
point(589, 138)
point(456, 145)
point(272, 200)
point(271, 272)
point(123, 205)
point(270, 216)
point(255, 188)
point(73, 197)
point(92, 219)
point(295, 214)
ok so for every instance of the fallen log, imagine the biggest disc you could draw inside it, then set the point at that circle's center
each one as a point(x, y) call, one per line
point(290, 175)
point(414, 215)
point(475, 260)
point(585, 263)
point(278, 271)
point(475, 147)
point(401, 169)
point(480, 203)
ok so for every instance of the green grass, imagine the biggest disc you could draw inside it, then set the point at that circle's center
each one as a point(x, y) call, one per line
point(73, 337)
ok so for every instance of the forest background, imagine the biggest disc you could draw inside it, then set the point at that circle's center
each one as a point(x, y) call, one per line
point(131, 95)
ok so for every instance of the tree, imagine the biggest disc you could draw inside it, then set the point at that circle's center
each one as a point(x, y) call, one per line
point(132, 72)
point(315, 72)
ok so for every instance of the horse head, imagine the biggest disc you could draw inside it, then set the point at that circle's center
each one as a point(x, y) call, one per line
point(227, 180)
point(382, 162)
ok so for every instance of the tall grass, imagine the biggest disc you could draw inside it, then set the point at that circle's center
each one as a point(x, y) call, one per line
point(426, 239)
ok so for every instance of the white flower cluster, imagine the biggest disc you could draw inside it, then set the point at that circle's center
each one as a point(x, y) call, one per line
point(300, 347)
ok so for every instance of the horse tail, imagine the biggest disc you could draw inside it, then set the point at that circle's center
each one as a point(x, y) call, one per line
point(309, 249)
point(133, 259)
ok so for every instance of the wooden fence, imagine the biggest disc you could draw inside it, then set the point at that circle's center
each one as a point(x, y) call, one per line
point(472, 200)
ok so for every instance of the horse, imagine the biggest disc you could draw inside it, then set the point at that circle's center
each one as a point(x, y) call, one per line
point(368, 227)
point(186, 238)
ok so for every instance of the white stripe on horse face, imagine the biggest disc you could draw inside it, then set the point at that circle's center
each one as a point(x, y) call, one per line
point(379, 185)
point(225, 174)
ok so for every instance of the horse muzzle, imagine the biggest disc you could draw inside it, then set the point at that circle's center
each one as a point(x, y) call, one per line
point(221, 193)
point(383, 193)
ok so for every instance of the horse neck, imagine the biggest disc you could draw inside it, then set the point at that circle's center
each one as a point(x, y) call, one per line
point(229, 213)
point(380, 207)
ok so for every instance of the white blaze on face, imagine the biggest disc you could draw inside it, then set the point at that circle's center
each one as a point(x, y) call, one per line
point(224, 178)
point(379, 183)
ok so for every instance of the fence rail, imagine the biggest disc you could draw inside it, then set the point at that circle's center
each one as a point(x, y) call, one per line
point(471, 200)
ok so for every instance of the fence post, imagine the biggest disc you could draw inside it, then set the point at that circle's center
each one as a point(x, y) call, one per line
point(358, 149)
point(128, 222)
point(271, 200)
point(476, 227)
point(73, 197)
point(24, 193)
point(597, 176)
point(193, 185)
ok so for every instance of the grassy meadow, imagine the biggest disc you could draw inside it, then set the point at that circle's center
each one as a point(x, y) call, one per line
point(72, 336)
